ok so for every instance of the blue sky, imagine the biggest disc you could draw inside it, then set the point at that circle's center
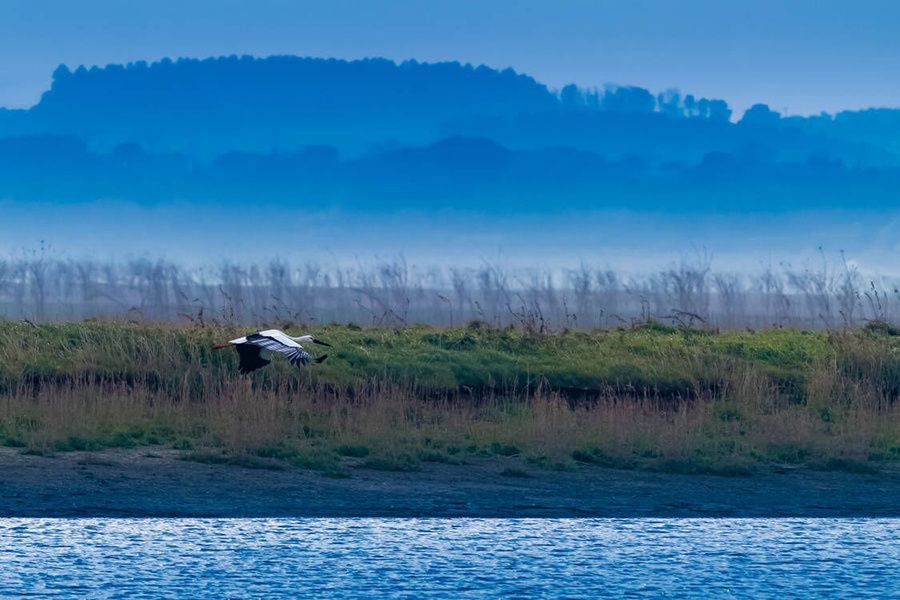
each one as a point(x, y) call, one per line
point(800, 56)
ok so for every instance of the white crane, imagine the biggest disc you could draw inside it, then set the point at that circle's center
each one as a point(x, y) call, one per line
point(256, 349)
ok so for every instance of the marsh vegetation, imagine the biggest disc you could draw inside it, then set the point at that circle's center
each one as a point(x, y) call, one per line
point(649, 396)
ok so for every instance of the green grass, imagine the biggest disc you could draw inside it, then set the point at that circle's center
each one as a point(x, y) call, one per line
point(652, 397)
point(665, 361)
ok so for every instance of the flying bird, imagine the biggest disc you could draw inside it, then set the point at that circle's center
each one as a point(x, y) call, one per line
point(255, 350)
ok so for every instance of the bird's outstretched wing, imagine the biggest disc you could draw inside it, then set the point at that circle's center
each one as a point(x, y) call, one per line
point(293, 351)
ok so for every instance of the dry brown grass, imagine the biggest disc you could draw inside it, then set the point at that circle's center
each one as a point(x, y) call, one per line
point(388, 425)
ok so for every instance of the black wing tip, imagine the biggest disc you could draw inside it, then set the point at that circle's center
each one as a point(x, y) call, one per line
point(321, 359)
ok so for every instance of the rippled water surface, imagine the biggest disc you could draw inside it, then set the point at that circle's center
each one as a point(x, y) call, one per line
point(450, 557)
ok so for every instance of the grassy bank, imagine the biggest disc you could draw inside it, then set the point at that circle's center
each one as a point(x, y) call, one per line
point(651, 397)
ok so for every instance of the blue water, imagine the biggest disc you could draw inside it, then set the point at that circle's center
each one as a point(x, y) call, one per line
point(451, 558)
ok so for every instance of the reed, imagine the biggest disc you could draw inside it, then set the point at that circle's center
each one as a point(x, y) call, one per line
point(42, 287)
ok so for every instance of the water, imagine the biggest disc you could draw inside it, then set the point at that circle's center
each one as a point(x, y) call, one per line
point(452, 558)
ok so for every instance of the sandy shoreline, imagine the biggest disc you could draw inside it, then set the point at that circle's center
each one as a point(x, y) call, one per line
point(154, 483)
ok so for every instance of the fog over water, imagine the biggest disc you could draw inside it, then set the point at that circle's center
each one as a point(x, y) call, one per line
point(627, 241)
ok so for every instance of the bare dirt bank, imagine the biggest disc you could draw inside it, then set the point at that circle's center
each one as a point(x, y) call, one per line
point(157, 484)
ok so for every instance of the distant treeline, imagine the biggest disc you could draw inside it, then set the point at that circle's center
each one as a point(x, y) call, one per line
point(457, 173)
point(376, 134)
point(208, 107)
point(39, 287)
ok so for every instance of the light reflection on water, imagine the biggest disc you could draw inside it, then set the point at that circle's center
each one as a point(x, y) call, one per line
point(450, 557)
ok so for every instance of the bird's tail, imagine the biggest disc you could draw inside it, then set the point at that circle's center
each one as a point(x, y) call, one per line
point(219, 346)
point(321, 359)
